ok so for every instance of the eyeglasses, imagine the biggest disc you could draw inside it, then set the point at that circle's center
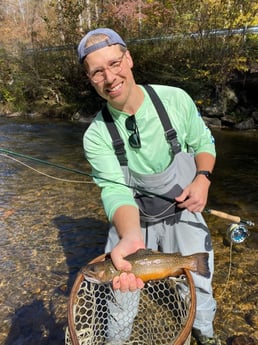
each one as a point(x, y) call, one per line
point(134, 138)
point(115, 67)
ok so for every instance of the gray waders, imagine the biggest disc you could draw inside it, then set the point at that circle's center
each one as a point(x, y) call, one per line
point(165, 227)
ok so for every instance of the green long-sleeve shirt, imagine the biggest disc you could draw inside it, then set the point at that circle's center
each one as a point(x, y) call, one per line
point(154, 156)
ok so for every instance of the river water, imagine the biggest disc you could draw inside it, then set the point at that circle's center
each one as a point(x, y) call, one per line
point(52, 223)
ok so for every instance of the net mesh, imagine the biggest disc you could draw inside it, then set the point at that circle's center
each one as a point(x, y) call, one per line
point(161, 313)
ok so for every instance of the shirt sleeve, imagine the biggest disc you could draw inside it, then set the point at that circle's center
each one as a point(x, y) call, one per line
point(106, 169)
point(199, 136)
point(192, 131)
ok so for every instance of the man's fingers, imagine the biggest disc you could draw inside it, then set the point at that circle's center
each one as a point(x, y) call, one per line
point(116, 283)
point(127, 282)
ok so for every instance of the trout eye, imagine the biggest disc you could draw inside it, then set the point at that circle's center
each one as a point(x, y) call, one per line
point(91, 270)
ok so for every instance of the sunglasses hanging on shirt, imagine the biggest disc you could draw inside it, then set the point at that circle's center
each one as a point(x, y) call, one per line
point(134, 138)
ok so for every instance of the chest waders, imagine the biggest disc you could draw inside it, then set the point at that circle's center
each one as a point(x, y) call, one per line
point(164, 226)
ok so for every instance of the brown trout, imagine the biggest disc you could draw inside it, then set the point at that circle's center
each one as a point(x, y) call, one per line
point(149, 265)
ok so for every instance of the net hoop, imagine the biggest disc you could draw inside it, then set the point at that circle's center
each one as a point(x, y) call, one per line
point(182, 336)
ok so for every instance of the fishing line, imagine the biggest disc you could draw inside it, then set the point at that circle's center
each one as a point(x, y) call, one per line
point(143, 191)
point(42, 173)
point(229, 271)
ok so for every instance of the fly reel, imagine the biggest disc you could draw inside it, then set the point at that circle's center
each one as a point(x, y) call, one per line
point(237, 233)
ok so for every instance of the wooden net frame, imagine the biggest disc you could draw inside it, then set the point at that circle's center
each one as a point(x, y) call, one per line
point(164, 313)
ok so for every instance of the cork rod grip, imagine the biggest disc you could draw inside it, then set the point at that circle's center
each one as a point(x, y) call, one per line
point(224, 215)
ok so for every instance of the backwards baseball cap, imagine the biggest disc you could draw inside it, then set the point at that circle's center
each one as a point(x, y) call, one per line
point(112, 38)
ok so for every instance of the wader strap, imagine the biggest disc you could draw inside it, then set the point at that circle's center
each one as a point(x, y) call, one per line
point(169, 130)
point(117, 142)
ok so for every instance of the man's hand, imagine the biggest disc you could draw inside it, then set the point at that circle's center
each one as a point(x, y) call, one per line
point(127, 222)
point(126, 281)
point(194, 196)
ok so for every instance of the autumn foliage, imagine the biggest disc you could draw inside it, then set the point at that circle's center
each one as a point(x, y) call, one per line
point(192, 44)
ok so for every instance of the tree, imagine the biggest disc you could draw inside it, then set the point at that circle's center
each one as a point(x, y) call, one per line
point(172, 41)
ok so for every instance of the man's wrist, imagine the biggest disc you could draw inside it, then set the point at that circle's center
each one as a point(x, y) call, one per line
point(206, 173)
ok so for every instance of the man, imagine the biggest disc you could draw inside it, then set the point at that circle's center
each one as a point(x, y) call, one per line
point(179, 166)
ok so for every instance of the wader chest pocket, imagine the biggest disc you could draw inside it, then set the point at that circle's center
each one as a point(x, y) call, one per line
point(154, 208)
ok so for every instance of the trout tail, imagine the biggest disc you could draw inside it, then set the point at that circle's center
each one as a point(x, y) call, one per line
point(202, 264)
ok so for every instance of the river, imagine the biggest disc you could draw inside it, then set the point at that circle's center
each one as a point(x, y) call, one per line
point(52, 223)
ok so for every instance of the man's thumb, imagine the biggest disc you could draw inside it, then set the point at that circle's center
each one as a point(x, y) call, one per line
point(181, 197)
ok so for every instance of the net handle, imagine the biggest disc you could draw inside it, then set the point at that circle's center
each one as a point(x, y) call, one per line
point(71, 326)
point(180, 340)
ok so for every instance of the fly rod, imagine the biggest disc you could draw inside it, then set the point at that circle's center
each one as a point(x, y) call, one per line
point(235, 219)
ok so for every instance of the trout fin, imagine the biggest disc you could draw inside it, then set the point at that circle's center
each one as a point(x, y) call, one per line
point(202, 264)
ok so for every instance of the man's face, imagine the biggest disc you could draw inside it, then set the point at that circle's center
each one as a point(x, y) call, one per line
point(109, 70)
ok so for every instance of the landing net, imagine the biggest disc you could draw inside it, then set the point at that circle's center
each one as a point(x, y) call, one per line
point(162, 313)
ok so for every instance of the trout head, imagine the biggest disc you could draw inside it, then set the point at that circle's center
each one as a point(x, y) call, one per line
point(93, 273)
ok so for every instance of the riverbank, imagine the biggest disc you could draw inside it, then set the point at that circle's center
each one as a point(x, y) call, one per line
point(211, 118)
point(236, 107)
